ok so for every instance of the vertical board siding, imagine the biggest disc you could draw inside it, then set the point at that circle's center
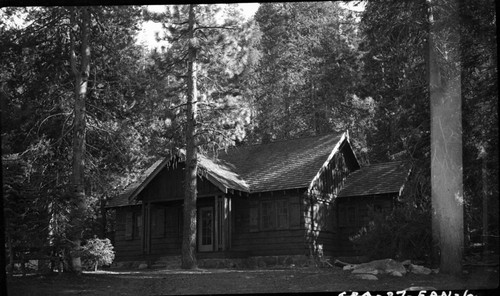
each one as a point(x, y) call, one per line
point(168, 238)
point(332, 177)
point(168, 185)
point(127, 246)
point(166, 232)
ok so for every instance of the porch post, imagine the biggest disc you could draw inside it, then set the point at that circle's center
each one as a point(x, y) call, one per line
point(147, 227)
point(216, 224)
point(230, 222)
point(143, 228)
point(226, 224)
point(222, 203)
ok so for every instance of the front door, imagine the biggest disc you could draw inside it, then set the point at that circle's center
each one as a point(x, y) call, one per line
point(205, 229)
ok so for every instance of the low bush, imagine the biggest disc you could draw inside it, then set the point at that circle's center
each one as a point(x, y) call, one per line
point(97, 252)
point(404, 233)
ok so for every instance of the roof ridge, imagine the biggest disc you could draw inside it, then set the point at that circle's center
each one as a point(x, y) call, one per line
point(285, 140)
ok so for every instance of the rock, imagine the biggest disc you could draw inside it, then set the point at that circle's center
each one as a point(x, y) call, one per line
point(369, 277)
point(251, 263)
point(348, 267)
point(381, 266)
point(396, 273)
point(418, 269)
point(300, 260)
point(406, 262)
point(367, 270)
point(270, 260)
point(288, 261)
point(281, 260)
point(210, 263)
point(420, 288)
point(143, 266)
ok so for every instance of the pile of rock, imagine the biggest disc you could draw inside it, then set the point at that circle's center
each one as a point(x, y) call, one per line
point(369, 270)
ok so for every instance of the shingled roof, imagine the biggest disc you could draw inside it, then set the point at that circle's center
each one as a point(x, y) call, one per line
point(279, 165)
point(379, 178)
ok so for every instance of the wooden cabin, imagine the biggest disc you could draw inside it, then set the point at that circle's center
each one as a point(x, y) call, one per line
point(293, 197)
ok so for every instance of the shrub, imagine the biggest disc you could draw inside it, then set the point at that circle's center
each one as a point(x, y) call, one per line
point(404, 233)
point(97, 252)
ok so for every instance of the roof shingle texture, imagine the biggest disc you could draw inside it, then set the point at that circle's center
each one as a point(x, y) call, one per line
point(279, 165)
point(379, 178)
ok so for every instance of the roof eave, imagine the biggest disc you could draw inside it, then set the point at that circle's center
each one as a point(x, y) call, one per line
point(216, 182)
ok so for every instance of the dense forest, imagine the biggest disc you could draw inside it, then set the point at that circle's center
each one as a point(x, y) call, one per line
point(86, 108)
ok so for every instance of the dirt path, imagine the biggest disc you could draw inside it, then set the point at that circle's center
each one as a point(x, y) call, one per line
point(224, 281)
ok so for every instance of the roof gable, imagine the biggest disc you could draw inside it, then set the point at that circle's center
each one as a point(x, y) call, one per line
point(282, 165)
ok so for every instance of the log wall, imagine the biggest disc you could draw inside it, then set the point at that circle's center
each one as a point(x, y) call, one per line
point(250, 236)
point(126, 249)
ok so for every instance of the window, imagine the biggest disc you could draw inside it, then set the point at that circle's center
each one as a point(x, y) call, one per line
point(268, 215)
point(133, 225)
point(281, 214)
point(274, 214)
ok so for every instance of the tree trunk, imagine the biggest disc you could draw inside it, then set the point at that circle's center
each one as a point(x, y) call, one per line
point(189, 231)
point(78, 164)
point(104, 219)
point(11, 254)
point(446, 135)
point(484, 177)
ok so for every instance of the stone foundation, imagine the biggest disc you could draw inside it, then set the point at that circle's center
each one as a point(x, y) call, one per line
point(254, 262)
point(127, 264)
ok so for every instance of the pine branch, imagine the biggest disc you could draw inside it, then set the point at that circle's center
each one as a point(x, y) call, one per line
point(215, 28)
point(50, 116)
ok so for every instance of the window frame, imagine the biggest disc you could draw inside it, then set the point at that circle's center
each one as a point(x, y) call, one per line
point(268, 218)
point(284, 204)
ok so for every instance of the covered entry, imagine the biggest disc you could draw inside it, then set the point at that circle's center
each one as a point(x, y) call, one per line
point(213, 225)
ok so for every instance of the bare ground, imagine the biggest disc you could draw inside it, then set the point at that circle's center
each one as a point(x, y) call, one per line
point(232, 281)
